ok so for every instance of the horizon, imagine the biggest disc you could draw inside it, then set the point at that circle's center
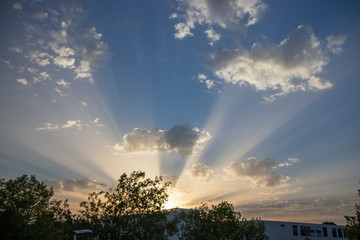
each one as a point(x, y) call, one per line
point(251, 102)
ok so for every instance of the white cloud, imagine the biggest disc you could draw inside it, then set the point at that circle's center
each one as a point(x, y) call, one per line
point(212, 36)
point(17, 6)
point(334, 43)
point(200, 170)
point(44, 75)
point(173, 16)
point(97, 122)
point(40, 58)
point(16, 49)
point(63, 83)
point(208, 82)
point(62, 51)
point(73, 124)
point(290, 66)
point(22, 81)
point(227, 14)
point(259, 171)
point(32, 70)
point(64, 62)
point(60, 92)
point(84, 103)
point(183, 30)
point(40, 15)
point(48, 127)
point(179, 139)
point(84, 71)
point(60, 36)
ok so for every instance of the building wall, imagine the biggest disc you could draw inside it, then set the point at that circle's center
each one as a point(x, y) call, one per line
point(299, 231)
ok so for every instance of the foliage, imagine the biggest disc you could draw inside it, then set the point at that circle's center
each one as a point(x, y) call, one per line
point(218, 222)
point(27, 211)
point(353, 225)
point(133, 210)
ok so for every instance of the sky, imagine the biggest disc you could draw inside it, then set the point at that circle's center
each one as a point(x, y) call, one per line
point(251, 102)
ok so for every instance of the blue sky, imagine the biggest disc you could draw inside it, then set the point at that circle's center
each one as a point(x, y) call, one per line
point(253, 102)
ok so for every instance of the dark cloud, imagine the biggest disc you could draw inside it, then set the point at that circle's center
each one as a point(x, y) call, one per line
point(180, 139)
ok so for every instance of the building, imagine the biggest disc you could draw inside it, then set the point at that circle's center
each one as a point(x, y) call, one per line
point(295, 231)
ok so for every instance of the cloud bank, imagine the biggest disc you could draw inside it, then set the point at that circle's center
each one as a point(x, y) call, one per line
point(292, 65)
point(261, 172)
point(180, 139)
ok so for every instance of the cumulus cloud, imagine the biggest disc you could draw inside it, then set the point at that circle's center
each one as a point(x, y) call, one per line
point(261, 172)
point(226, 14)
point(180, 139)
point(334, 43)
point(290, 66)
point(200, 170)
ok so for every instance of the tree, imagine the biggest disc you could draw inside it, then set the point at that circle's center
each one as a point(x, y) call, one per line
point(133, 210)
point(27, 211)
point(353, 224)
point(218, 222)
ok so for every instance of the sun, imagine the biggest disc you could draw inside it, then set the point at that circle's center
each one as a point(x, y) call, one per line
point(172, 202)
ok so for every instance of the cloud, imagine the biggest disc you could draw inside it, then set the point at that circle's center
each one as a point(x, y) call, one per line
point(210, 84)
point(290, 66)
point(75, 185)
point(78, 124)
point(17, 6)
point(23, 81)
point(64, 62)
point(180, 139)
point(259, 171)
point(40, 58)
point(48, 127)
point(73, 124)
point(40, 15)
point(334, 43)
point(63, 42)
point(16, 49)
point(212, 36)
point(200, 170)
point(227, 14)
point(63, 83)
point(173, 179)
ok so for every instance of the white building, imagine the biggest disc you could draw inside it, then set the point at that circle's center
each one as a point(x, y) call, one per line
point(296, 231)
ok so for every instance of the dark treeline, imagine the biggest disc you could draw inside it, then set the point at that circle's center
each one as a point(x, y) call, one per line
point(133, 210)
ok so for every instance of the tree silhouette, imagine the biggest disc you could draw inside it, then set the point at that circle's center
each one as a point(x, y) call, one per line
point(218, 222)
point(27, 211)
point(353, 224)
point(133, 210)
